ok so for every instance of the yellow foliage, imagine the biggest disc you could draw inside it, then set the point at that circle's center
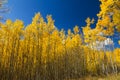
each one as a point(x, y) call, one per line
point(40, 48)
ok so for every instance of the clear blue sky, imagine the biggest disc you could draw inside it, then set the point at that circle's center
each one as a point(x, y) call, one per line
point(66, 13)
